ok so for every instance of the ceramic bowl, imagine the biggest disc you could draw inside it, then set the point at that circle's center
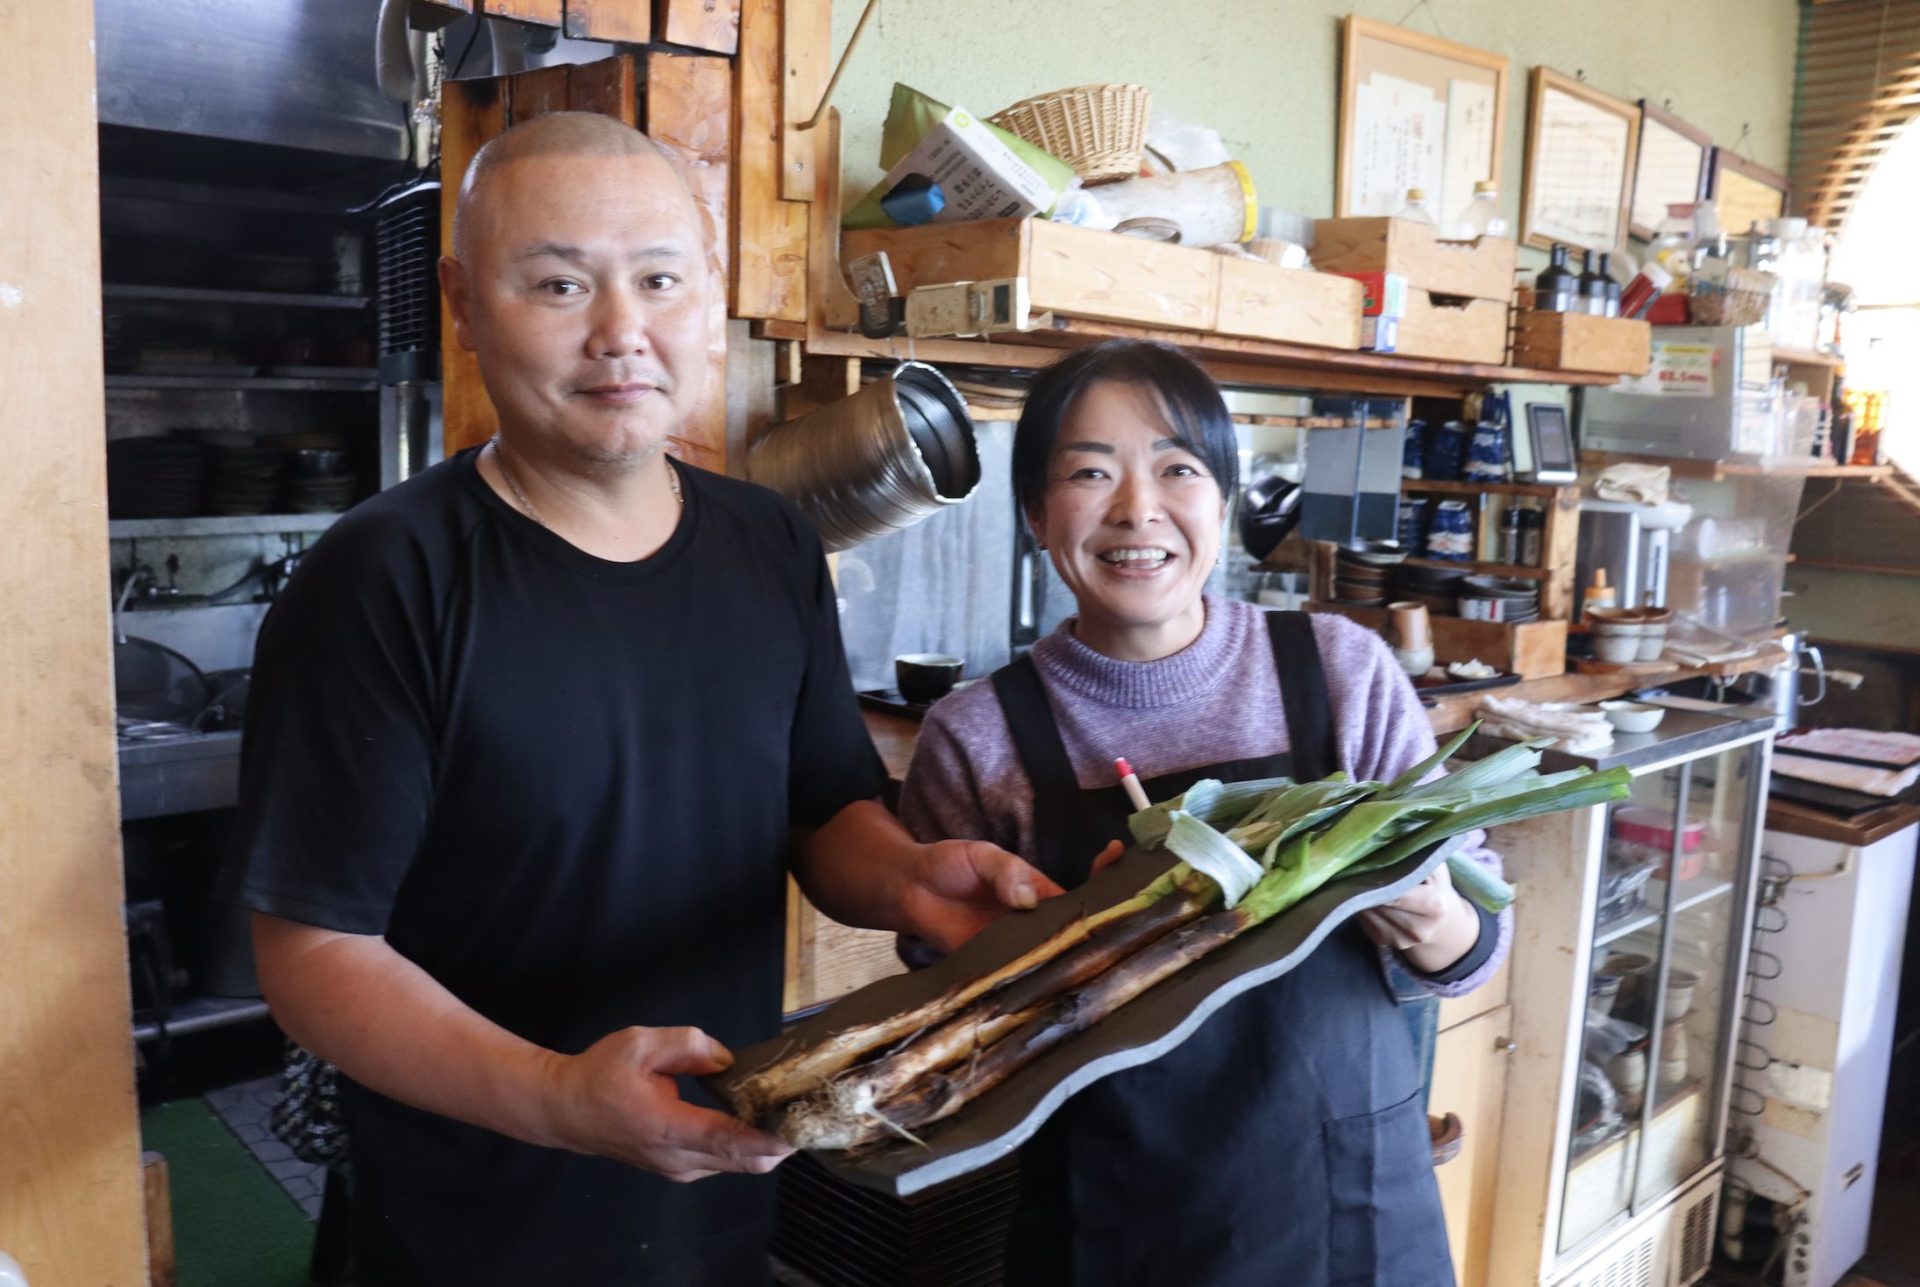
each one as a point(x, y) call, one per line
point(1620, 644)
point(1633, 717)
point(926, 676)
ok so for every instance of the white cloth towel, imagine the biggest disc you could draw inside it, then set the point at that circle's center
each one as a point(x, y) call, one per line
point(1647, 484)
point(1850, 777)
point(1577, 730)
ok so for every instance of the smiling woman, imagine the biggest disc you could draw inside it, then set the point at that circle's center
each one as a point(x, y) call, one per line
point(1123, 462)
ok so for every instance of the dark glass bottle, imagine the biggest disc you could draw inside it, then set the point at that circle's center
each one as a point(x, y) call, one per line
point(1556, 289)
point(1594, 281)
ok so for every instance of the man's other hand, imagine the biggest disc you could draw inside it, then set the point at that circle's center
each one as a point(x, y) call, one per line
point(959, 887)
point(618, 1099)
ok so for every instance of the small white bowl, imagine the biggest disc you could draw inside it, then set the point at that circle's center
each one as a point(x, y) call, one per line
point(1633, 717)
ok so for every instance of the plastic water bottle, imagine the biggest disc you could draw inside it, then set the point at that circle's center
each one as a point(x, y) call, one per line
point(1482, 217)
point(1416, 208)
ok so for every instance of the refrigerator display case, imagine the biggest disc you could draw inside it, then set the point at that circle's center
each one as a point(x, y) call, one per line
point(1629, 962)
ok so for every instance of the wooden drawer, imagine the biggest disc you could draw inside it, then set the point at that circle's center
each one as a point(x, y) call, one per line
point(1267, 302)
point(1075, 272)
point(1582, 342)
point(1481, 269)
point(1453, 328)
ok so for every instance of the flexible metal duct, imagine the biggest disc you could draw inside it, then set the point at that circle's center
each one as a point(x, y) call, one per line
point(876, 462)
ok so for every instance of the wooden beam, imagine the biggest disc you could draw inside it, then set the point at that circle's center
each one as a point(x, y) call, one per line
point(690, 114)
point(471, 112)
point(610, 87)
point(806, 41)
point(622, 21)
point(158, 1193)
point(770, 268)
point(541, 13)
point(538, 92)
point(830, 303)
point(713, 25)
point(70, 1190)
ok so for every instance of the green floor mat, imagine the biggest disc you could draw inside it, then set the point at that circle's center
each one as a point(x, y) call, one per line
point(233, 1226)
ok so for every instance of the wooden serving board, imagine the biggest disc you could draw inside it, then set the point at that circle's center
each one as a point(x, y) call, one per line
point(1142, 1031)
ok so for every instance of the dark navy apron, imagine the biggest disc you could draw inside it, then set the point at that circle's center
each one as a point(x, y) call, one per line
point(1286, 1141)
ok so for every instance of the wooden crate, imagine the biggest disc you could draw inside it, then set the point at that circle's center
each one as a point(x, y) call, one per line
point(1453, 328)
point(1534, 650)
point(1264, 301)
point(1076, 272)
point(1582, 342)
point(826, 960)
point(1481, 269)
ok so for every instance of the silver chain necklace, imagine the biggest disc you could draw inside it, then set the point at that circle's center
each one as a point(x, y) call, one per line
point(513, 484)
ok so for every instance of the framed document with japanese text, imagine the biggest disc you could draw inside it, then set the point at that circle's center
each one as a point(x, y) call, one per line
point(1581, 146)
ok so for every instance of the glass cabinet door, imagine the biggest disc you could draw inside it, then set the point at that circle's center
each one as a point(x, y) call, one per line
point(1661, 981)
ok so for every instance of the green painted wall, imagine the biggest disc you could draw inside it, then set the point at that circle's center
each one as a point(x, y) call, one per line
point(1266, 75)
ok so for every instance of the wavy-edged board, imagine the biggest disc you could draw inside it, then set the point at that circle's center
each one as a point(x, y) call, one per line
point(1140, 1032)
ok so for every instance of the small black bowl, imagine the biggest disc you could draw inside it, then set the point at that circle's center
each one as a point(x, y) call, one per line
point(926, 676)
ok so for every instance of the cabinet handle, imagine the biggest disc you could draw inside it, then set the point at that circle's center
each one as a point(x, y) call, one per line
point(1505, 1045)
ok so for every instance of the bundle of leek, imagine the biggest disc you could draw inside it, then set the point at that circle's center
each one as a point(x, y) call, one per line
point(1249, 851)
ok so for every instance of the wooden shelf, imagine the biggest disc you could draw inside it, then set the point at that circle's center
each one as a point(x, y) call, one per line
point(1718, 470)
point(1873, 569)
point(133, 529)
point(1251, 363)
point(1439, 487)
point(1806, 357)
point(1475, 567)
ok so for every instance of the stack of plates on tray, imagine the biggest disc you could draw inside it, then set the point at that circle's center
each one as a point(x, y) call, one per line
point(1499, 598)
point(1438, 589)
point(316, 478)
point(1363, 573)
point(835, 1232)
point(155, 477)
point(242, 476)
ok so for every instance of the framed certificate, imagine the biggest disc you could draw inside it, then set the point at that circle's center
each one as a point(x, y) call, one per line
point(1581, 146)
point(1416, 111)
point(1744, 193)
point(1671, 168)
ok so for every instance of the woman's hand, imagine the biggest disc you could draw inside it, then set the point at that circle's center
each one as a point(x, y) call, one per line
point(959, 887)
point(1430, 925)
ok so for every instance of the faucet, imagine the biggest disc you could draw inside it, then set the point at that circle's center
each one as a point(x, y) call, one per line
point(137, 576)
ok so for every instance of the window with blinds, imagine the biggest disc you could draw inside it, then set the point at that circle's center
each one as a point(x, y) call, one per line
point(1857, 86)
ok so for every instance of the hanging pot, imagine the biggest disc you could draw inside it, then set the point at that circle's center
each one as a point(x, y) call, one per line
point(875, 462)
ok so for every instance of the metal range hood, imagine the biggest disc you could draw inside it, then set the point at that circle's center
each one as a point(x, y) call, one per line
point(292, 73)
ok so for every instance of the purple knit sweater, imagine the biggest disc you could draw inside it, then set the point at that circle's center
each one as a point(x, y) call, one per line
point(1216, 700)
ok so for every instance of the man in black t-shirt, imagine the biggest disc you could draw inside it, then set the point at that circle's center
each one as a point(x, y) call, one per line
point(533, 739)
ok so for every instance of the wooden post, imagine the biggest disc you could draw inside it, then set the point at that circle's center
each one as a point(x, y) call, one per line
point(471, 112)
point(70, 1194)
point(806, 43)
point(1559, 554)
point(770, 268)
point(158, 1190)
point(690, 114)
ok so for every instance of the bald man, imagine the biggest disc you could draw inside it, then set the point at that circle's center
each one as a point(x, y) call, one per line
point(534, 738)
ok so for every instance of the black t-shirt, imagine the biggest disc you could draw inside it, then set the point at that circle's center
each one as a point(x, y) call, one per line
point(562, 786)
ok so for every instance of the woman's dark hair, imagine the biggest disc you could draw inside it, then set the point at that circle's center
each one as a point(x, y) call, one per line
point(1195, 410)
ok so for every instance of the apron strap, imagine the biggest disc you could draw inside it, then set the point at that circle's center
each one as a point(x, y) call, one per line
point(1303, 693)
point(1036, 734)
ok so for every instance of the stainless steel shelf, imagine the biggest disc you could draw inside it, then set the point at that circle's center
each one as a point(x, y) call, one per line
point(125, 529)
point(201, 1014)
point(207, 295)
point(264, 383)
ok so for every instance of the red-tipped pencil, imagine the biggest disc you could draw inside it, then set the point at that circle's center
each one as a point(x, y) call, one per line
point(1129, 781)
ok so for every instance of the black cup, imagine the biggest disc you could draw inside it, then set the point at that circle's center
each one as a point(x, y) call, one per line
point(926, 676)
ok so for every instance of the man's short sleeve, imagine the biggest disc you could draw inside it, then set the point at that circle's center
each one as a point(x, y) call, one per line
point(832, 761)
point(337, 762)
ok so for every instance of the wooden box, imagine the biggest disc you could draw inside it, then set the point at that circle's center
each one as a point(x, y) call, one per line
point(1453, 328)
point(1267, 302)
point(1076, 272)
point(1480, 269)
point(1582, 342)
point(1533, 650)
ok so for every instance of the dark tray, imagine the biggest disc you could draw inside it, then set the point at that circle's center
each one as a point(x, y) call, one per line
point(1893, 765)
point(1454, 686)
point(1148, 1027)
point(1835, 799)
point(890, 702)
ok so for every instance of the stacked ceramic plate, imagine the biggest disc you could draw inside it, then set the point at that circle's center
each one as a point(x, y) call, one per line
point(1497, 598)
point(316, 478)
point(242, 476)
point(155, 477)
point(1363, 573)
point(1438, 589)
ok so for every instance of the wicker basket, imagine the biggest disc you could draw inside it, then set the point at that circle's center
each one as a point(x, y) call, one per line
point(1096, 129)
point(1741, 301)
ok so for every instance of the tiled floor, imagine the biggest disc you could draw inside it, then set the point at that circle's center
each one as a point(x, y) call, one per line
point(244, 1109)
